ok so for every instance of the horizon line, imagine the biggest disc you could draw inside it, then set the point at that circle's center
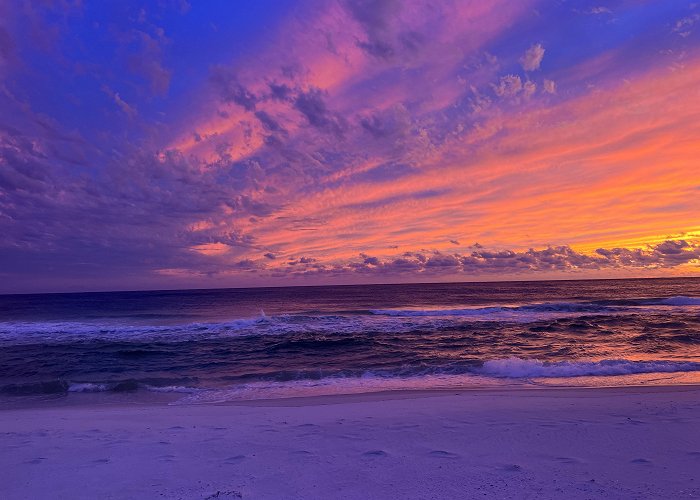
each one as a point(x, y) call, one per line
point(349, 285)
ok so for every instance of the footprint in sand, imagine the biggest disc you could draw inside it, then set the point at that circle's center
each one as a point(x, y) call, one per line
point(375, 453)
point(511, 468)
point(351, 437)
point(234, 459)
point(225, 494)
point(402, 427)
point(443, 454)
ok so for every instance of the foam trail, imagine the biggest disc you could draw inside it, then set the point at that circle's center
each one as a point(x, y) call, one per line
point(533, 368)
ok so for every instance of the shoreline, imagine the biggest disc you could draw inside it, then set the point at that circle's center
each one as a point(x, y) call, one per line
point(172, 399)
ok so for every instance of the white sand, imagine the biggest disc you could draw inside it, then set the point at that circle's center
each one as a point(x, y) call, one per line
point(554, 443)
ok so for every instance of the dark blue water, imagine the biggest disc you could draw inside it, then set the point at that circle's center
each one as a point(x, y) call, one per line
point(213, 345)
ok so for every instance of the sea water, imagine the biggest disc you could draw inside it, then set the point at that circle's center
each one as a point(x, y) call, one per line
point(232, 344)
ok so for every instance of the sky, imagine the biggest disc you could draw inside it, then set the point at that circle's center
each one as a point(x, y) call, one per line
point(175, 144)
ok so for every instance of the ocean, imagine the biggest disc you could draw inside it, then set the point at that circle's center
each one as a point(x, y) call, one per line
point(211, 346)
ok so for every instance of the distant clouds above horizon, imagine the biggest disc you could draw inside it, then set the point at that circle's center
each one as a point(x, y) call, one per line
point(196, 144)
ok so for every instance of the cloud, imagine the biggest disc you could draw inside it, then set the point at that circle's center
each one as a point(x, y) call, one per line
point(529, 88)
point(532, 58)
point(392, 123)
point(549, 87)
point(508, 86)
point(385, 172)
point(231, 90)
point(482, 262)
point(211, 249)
point(683, 27)
point(311, 104)
point(146, 59)
point(375, 17)
point(121, 103)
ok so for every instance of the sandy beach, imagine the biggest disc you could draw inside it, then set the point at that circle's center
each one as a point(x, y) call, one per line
point(639, 442)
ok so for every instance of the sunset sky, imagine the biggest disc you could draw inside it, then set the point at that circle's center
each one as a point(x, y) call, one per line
point(208, 144)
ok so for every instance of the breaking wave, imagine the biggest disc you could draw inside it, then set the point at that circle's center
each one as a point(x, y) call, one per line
point(532, 368)
point(603, 306)
point(340, 322)
point(681, 300)
point(488, 373)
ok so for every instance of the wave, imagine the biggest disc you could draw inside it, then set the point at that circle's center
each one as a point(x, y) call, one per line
point(519, 313)
point(509, 373)
point(680, 300)
point(62, 386)
point(70, 331)
point(339, 322)
point(172, 388)
point(532, 368)
point(88, 387)
point(599, 306)
point(489, 373)
point(476, 311)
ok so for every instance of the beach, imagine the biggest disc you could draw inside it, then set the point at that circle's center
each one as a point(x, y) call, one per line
point(627, 442)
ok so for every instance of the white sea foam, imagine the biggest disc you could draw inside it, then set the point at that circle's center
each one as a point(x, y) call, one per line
point(337, 385)
point(87, 387)
point(681, 300)
point(173, 388)
point(532, 368)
